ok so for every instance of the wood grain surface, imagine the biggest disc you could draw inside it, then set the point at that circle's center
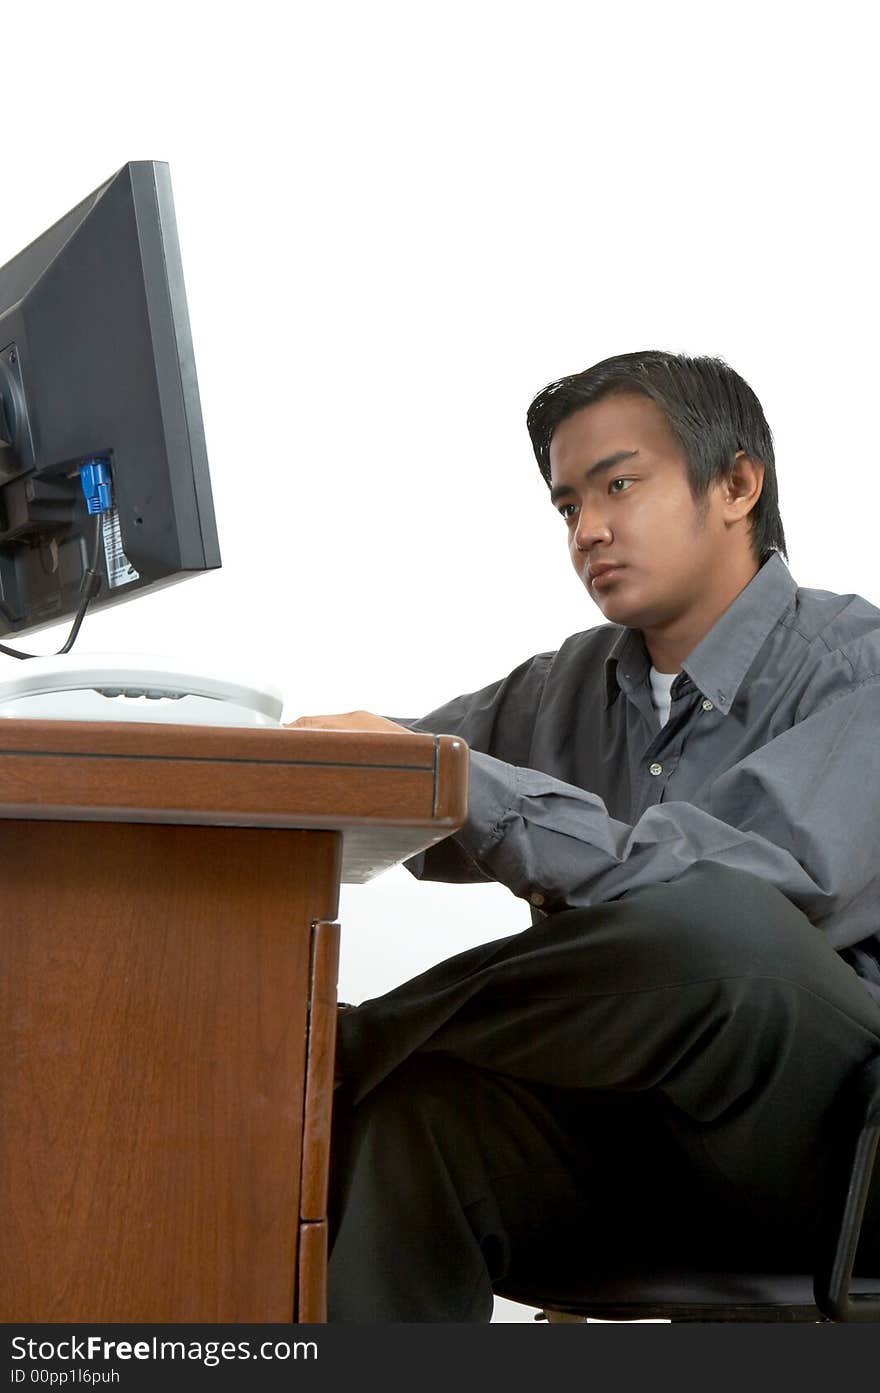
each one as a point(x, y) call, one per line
point(168, 964)
point(391, 795)
point(153, 1004)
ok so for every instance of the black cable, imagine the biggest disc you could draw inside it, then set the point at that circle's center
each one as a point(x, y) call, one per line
point(91, 584)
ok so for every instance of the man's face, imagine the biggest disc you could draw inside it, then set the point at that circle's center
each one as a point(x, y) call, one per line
point(619, 479)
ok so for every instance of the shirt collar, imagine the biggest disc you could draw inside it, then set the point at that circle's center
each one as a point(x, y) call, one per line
point(626, 665)
point(719, 663)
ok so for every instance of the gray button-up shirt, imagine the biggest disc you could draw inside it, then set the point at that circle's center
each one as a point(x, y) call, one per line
point(769, 763)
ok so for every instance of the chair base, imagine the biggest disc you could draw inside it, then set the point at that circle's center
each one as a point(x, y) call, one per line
point(711, 1297)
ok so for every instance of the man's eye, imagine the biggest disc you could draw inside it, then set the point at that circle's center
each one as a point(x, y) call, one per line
point(612, 487)
point(563, 511)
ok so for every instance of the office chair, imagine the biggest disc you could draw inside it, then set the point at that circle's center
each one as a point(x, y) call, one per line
point(829, 1293)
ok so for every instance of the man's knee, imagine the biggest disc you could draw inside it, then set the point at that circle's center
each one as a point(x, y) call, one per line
point(731, 924)
point(712, 923)
point(731, 921)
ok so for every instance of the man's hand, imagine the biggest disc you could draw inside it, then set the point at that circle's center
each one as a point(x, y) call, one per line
point(349, 720)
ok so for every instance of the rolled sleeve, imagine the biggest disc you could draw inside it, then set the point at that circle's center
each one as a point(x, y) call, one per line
point(499, 720)
point(802, 811)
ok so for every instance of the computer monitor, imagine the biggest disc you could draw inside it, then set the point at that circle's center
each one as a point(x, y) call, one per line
point(98, 397)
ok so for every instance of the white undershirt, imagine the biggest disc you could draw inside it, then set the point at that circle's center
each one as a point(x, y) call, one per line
point(661, 689)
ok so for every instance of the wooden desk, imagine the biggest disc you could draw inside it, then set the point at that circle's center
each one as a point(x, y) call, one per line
point(168, 963)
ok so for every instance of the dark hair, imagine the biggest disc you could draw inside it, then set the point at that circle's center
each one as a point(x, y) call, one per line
point(712, 411)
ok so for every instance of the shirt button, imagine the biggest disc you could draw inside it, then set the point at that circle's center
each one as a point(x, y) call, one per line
point(708, 705)
point(656, 768)
point(536, 898)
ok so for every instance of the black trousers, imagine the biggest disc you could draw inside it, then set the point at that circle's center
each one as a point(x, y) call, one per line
point(655, 1075)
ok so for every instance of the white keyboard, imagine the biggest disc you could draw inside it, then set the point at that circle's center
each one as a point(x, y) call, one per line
point(132, 687)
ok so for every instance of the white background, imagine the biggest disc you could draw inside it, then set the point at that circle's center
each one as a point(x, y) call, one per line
point(398, 222)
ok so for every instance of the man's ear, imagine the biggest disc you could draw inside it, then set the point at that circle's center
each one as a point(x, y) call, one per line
point(742, 489)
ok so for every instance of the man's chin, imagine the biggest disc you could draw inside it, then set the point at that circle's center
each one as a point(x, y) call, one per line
point(618, 609)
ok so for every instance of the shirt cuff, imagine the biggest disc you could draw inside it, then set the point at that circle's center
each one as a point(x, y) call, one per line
point(493, 791)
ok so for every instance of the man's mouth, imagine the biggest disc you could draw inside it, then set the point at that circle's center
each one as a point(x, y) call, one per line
point(602, 574)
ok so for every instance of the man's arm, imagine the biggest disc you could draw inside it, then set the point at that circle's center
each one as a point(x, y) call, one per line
point(347, 720)
point(802, 812)
point(497, 720)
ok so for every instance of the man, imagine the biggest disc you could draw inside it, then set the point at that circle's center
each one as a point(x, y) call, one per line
point(689, 798)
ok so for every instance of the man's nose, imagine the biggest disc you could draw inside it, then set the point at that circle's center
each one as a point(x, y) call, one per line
point(592, 528)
